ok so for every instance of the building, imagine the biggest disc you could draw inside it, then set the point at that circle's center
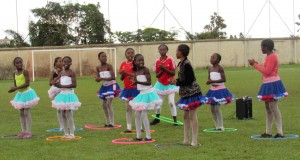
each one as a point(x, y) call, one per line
point(4, 41)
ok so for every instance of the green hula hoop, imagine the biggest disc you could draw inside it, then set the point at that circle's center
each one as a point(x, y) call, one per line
point(168, 120)
point(216, 131)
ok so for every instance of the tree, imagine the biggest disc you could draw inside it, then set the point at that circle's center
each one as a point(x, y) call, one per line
point(298, 23)
point(213, 30)
point(17, 41)
point(146, 35)
point(70, 23)
point(126, 37)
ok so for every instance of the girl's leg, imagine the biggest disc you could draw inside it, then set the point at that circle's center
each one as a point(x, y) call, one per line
point(277, 115)
point(214, 115)
point(187, 125)
point(74, 122)
point(128, 116)
point(158, 111)
point(194, 122)
point(219, 117)
point(105, 112)
point(65, 122)
point(146, 124)
point(269, 118)
point(110, 112)
point(138, 124)
point(69, 116)
point(171, 98)
point(27, 119)
point(60, 119)
point(22, 120)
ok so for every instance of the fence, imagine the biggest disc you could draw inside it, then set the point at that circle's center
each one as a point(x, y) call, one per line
point(235, 53)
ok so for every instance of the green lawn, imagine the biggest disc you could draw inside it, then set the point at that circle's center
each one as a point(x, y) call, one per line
point(97, 144)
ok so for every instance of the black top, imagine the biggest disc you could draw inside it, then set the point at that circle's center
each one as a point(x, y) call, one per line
point(186, 80)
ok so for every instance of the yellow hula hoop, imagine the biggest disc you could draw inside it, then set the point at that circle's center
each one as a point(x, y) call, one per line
point(62, 138)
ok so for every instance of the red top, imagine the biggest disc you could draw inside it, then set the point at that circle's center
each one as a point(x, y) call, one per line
point(169, 63)
point(270, 67)
point(127, 66)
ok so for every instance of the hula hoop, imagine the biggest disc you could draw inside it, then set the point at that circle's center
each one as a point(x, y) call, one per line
point(130, 141)
point(134, 132)
point(15, 136)
point(101, 127)
point(286, 136)
point(58, 130)
point(172, 145)
point(166, 119)
point(216, 131)
point(62, 138)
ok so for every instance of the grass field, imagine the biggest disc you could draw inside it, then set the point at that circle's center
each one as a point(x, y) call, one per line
point(97, 144)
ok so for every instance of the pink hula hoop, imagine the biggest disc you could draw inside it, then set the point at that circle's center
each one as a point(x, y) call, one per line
point(101, 127)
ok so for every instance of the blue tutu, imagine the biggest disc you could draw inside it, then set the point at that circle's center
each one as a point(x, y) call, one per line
point(146, 100)
point(26, 99)
point(220, 96)
point(272, 91)
point(66, 100)
point(165, 89)
point(109, 91)
point(128, 94)
point(191, 103)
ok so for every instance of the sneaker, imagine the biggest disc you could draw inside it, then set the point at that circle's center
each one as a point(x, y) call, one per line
point(265, 135)
point(20, 135)
point(127, 131)
point(106, 125)
point(138, 139)
point(155, 121)
point(148, 139)
point(278, 136)
point(196, 145)
point(27, 135)
point(110, 126)
point(65, 136)
point(71, 136)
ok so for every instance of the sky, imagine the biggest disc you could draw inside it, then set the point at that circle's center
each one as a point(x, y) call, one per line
point(253, 18)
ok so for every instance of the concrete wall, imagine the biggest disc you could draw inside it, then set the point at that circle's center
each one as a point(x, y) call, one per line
point(235, 53)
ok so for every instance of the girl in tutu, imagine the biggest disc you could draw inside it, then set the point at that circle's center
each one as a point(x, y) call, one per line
point(25, 97)
point(190, 93)
point(165, 70)
point(218, 93)
point(53, 91)
point(146, 100)
point(109, 88)
point(129, 91)
point(66, 100)
point(272, 88)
